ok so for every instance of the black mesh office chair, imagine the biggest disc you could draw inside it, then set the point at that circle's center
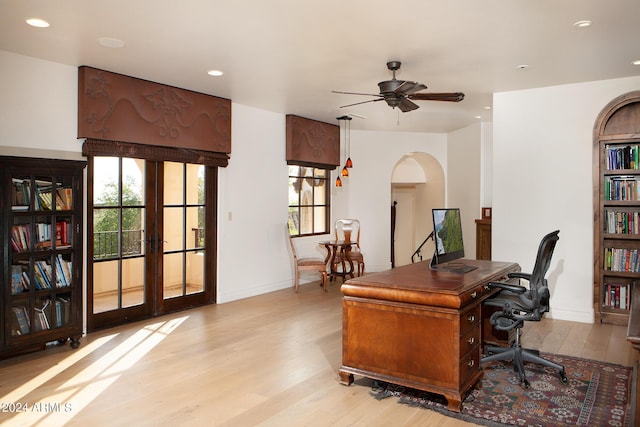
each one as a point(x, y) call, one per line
point(518, 304)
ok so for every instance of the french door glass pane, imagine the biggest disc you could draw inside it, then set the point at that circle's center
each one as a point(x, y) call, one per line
point(133, 281)
point(173, 229)
point(195, 228)
point(132, 182)
point(172, 275)
point(195, 184)
point(106, 181)
point(195, 272)
point(173, 183)
point(105, 286)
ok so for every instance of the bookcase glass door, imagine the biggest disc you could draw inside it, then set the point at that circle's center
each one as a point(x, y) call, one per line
point(148, 238)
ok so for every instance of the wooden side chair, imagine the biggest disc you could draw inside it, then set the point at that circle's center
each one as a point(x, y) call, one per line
point(349, 230)
point(306, 264)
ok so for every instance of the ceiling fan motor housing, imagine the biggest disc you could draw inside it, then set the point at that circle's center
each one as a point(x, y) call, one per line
point(389, 87)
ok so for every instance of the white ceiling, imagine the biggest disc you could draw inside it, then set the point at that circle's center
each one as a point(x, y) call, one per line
point(287, 56)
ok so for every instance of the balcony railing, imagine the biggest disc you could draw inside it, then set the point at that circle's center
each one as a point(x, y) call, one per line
point(107, 246)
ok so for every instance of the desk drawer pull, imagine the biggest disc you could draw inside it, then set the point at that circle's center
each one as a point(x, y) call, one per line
point(471, 318)
point(471, 340)
point(474, 294)
point(470, 363)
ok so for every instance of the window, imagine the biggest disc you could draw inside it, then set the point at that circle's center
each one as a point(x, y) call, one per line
point(308, 201)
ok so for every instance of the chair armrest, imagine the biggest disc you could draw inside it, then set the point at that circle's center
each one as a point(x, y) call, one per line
point(519, 275)
point(516, 289)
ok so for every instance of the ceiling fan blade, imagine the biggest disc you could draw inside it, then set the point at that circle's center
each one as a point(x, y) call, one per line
point(449, 97)
point(356, 93)
point(408, 87)
point(406, 105)
point(363, 102)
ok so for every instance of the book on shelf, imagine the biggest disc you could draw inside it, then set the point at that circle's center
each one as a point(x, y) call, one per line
point(617, 295)
point(63, 311)
point(42, 275)
point(19, 283)
point(64, 198)
point(621, 222)
point(622, 157)
point(20, 194)
point(63, 272)
point(21, 324)
point(20, 238)
point(621, 188)
point(621, 260)
point(41, 319)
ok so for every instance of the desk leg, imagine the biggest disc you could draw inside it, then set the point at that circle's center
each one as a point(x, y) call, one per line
point(346, 378)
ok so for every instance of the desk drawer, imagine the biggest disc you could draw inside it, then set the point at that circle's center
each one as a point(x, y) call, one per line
point(470, 318)
point(470, 339)
point(469, 365)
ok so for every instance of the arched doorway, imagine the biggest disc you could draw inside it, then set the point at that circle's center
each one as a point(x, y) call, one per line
point(417, 186)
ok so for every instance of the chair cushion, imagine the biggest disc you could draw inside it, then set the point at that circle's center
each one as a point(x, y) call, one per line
point(310, 261)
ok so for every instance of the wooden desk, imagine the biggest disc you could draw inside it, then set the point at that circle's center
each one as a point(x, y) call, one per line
point(418, 327)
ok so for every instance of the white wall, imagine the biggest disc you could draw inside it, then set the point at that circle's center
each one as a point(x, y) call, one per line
point(464, 181)
point(369, 184)
point(39, 108)
point(253, 255)
point(543, 182)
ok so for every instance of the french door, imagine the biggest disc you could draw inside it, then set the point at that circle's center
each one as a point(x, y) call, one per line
point(151, 238)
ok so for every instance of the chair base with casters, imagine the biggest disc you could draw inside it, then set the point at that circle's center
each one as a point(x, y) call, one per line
point(520, 355)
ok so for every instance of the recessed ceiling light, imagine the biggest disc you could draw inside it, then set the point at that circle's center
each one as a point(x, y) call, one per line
point(636, 62)
point(522, 67)
point(487, 107)
point(37, 22)
point(215, 73)
point(582, 24)
point(110, 42)
point(478, 117)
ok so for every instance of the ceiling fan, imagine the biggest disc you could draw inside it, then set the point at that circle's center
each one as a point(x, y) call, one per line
point(402, 93)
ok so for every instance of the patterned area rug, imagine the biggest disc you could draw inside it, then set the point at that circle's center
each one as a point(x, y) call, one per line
point(597, 394)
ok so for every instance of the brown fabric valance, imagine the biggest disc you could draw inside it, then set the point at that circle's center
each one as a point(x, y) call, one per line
point(114, 107)
point(312, 143)
point(94, 147)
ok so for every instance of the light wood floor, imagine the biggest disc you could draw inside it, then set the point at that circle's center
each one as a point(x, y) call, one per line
point(270, 360)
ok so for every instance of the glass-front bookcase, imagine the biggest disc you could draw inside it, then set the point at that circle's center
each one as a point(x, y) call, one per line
point(42, 256)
